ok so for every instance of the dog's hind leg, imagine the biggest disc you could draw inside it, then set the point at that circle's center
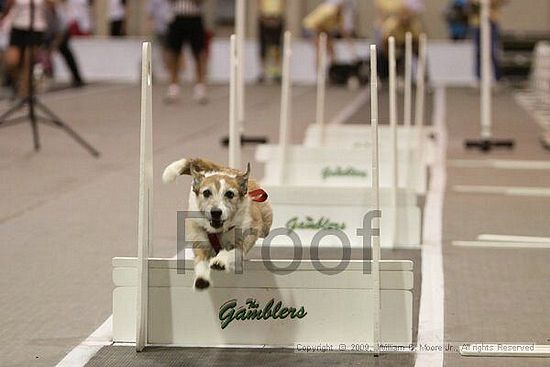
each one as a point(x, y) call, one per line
point(202, 268)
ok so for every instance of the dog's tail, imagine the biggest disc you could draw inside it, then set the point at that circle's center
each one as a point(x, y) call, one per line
point(184, 166)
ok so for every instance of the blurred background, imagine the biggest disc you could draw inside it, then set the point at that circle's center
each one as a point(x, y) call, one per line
point(95, 40)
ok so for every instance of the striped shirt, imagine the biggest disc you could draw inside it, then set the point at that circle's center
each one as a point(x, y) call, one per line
point(186, 7)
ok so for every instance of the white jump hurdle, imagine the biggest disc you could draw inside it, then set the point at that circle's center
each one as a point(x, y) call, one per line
point(536, 99)
point(367, 302)
point(412, 143)
point(309, 177)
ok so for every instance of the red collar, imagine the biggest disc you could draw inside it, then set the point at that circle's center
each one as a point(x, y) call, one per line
point(258, 195)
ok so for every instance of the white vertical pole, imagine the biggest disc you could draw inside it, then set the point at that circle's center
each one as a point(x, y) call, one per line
point(376, 187)
point(407, 115)
point(240, 25)
point(285, 106)
point(234, 132)
point(321, 86)
point(420, 84)
point(408, 80)
point(486, 71)
point(145, 218)
point(419, 110)
point(393, 127)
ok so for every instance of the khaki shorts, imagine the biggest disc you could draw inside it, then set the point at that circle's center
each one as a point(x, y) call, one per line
point(325, 18)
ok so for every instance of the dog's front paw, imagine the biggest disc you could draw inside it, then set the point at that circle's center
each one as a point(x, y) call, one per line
point(202, 276)
point(216, 264)
point(224, 260)
point(201, 284)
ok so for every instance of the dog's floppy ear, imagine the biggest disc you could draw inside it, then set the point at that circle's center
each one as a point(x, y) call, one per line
point(243, 181)
point(198, 176)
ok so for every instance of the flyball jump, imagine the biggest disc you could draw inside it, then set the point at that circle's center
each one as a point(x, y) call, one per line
point(486, 142)
point(296, 301)
point(415, 146)
point(303, 180)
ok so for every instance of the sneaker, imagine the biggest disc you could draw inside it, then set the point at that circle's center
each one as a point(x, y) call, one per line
point(172, 94)
point(199, 94)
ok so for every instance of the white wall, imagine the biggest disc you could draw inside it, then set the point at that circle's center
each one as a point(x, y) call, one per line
point(118, 60)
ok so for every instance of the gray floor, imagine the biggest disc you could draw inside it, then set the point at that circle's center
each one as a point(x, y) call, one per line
point(495, 295)
point(65, 215)
point(182, 357)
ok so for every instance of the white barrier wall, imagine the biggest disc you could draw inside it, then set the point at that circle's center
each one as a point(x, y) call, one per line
point(309, 209)
point(118, 60)
point(331, 307)
point(333, 166)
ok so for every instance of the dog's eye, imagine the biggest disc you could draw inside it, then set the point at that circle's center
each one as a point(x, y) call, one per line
point(230, 194)
point(207, 193)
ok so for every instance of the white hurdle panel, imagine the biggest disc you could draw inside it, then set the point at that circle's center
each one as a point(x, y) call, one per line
point(333, 166)
point(536, 100)
point(540, 75)
point(367, 302)
point(338, 306)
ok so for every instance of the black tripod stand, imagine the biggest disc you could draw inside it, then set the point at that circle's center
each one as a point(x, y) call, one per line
point(33, 105)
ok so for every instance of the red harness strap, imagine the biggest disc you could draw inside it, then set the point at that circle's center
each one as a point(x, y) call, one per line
point(215, 242)
point(258, 195)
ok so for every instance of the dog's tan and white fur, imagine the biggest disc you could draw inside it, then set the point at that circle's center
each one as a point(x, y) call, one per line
point(220, 194)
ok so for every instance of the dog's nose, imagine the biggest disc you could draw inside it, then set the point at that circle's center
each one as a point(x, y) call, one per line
point(216, 213)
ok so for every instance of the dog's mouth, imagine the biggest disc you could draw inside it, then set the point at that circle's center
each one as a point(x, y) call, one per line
point(216, 223)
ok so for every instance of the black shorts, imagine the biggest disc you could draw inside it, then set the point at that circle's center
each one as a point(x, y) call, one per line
point(116, 28)
point(23, 38)
point(186, 30)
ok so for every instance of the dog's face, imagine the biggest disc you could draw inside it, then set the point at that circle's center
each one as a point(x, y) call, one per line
point(219, 196)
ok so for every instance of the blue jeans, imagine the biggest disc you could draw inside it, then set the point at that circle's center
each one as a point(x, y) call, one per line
point(495, 50)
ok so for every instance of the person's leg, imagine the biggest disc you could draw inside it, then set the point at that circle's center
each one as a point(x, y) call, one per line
point(66, 52)
point(496, 50)
point(263, 50)
point(172, 62)
point(383, 69)
point(278, 47)
point(14, 58)
point(199, 91)
point(118, 28)
point(23, 84)
point(13, 63)
point(197, 41)
point(173, 46)
point(330, 48)
point(476, 35)
point(273, 31)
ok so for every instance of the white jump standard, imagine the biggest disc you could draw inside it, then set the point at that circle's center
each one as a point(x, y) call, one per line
point(276, 303)
point(240, 26)
point(486, 142)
